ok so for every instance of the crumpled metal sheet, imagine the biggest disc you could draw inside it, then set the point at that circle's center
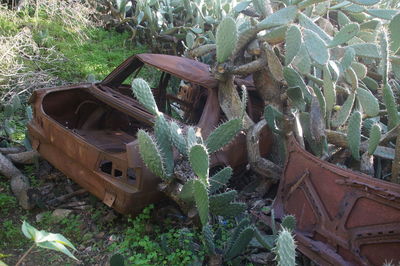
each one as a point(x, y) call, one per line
point(343, 217)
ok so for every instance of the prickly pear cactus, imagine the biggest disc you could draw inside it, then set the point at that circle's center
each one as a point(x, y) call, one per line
point(226, 38)
point(151, 153)
point(208, 237)
point(163, 136)
point(354, 134)
point(223, 134)
point(220, 179)
point(285, 249)
point(143, 93)
point(374, 138)
point(201, 198)
point(199, 160)
point(240, 243)
point(289, 222)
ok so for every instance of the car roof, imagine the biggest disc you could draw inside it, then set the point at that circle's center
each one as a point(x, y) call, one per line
point(181, 67)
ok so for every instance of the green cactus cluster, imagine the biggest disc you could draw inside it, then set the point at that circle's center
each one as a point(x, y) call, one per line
point(205, 193)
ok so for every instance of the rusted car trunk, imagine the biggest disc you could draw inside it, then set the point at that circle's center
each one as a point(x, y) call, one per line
point(88, 131)
point(343, 217)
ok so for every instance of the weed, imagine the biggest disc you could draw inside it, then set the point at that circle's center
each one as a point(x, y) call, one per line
point(7, 203)
point(11, 236)
point(155, 245)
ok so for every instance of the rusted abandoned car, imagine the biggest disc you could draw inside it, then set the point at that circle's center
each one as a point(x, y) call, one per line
point(88, 131)
point(343, 217)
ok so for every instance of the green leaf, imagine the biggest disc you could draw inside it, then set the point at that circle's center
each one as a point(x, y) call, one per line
point(354, 134)
point(292, 43)
point(57, 247)
point(394, 28)
point(48, 240)
point(316, 47)
point(369, 50)
point(368, 102)
point(344, 112)
point(281, 17)
point(28, 230)
point(226, 39)
point(198, 157)
point(202, 201)
point(345, 34)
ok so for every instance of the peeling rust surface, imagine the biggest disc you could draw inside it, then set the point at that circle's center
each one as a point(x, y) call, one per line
point(88, 131)
point(343, 217)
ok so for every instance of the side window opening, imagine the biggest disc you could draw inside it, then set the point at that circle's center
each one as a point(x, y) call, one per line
point(131, 175)
point(106, 166)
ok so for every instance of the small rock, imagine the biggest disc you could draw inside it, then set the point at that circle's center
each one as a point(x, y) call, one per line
point(264, 258)
point(110, 217)
point(100, 235)
point(61, 213)
point(39, 216)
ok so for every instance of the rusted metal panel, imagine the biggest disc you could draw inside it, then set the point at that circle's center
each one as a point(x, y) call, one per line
point(88, 131)
point(343, 217)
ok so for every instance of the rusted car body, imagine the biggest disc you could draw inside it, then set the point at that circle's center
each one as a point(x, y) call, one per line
point(88, 131)
point(343, 217)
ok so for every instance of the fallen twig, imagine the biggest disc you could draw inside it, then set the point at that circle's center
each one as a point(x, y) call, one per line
point(54, 202)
